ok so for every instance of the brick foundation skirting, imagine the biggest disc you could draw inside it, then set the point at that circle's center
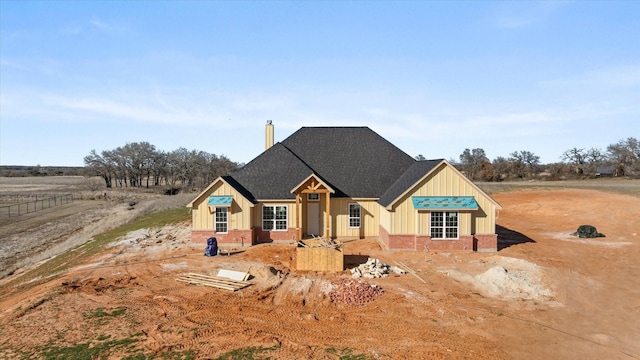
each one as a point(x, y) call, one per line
point(485, 242)
point(234, 238)
point(478, 242)
point(243, 238)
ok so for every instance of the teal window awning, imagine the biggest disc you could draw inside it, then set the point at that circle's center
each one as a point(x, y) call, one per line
point(220, 201)
point(444, 203)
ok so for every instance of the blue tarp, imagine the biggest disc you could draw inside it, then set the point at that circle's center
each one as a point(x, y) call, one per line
point(212, 247)
point(444, 203)
point(220, 200)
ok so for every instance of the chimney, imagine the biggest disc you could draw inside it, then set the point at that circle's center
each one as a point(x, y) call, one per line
point(268, 136)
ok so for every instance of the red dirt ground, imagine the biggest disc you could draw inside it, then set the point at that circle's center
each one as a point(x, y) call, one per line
point(564, 297)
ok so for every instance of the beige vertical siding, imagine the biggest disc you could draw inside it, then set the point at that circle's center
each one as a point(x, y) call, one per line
point(384, 218)
point(239, 213)
point(444, 181)
point(291, 212)
point(369, 218)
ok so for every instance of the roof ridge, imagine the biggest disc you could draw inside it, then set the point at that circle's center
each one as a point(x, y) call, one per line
point(313, 171)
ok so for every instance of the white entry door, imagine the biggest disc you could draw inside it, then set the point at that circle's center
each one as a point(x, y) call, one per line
point(313, 218)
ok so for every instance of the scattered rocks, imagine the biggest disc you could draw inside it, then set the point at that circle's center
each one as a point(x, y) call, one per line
point(354, 292)
point(373, 268)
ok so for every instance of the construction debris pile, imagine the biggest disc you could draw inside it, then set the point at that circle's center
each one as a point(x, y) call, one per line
point(354, 292)
point(319, 242)
point(373, 268)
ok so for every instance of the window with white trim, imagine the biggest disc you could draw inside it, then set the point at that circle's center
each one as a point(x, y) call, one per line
point(222, 220)
point(354, 215)
point(274, 217)
point(444, 225)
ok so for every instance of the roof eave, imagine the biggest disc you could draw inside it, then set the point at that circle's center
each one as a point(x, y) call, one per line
point(213, 183)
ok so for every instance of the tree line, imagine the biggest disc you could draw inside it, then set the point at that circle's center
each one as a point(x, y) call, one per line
point(619, 159)
point(140, 164)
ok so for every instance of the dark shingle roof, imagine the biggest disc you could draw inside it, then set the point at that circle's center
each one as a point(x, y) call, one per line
point(272, 175)
point(407, 179)
point(356, 161)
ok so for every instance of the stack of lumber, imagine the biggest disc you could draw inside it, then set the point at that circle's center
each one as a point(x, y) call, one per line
point(213, 281)
point(320, 242)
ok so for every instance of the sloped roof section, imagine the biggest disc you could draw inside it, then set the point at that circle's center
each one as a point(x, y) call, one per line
point(272, 174)
point(357, 161)
point(407, 180)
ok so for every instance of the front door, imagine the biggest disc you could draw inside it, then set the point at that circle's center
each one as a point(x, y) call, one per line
point(313, 218)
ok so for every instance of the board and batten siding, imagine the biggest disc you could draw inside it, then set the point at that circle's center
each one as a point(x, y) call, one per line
point(369, 215)
point(239, 212)
point(291, 212)
point(443, 181)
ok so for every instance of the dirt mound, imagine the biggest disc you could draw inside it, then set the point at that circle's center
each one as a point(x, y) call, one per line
point(507, 278)
point(500, 282)
point(100, 285)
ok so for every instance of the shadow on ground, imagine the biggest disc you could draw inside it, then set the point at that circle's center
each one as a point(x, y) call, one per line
point(508, 237)
point(352, 261)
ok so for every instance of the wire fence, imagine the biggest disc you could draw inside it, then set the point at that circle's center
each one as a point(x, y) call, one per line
point(15, 210)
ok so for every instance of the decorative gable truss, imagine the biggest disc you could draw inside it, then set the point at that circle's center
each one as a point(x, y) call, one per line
point(312, 185)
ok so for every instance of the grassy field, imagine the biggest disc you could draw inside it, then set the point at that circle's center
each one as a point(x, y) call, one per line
point(620, 186)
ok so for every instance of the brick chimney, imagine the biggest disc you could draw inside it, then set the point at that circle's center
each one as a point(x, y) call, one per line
point(268, 135)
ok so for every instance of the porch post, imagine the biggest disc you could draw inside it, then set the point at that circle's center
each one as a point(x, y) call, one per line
point(298, 217)
point(327, 224)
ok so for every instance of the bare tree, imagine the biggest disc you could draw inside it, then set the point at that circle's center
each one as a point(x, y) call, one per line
point(500, 168)
point(524, 163)
point(577, 157)
point(472, 162)
point(625, 155)
point(101, 165)
point(132, 163)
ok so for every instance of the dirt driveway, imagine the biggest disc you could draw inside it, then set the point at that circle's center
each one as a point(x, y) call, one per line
point(544, 295)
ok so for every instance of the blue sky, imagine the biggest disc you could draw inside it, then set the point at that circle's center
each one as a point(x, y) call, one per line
point(432, 77)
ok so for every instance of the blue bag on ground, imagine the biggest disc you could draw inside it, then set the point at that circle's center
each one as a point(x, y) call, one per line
point(212, 247)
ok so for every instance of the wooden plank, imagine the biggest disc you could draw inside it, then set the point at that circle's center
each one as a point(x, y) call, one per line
point(409, 270)
point(233, 275)
point(217, 280)
point(214, 278)
point(207, 283)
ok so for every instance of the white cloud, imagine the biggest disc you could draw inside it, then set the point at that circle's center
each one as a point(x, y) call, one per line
point(109, 27)
point(618, 76)
point(518, 14)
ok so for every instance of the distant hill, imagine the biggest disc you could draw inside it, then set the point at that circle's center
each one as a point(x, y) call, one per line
point(22, 171)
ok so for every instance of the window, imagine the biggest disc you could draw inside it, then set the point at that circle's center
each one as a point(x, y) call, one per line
point(274, 218)
point(313, 197)
point(354, 215)
point(221, 218)
point(444, 225)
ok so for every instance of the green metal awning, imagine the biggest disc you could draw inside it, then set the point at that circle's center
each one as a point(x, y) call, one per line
point(220, 201)
point(444, 203)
